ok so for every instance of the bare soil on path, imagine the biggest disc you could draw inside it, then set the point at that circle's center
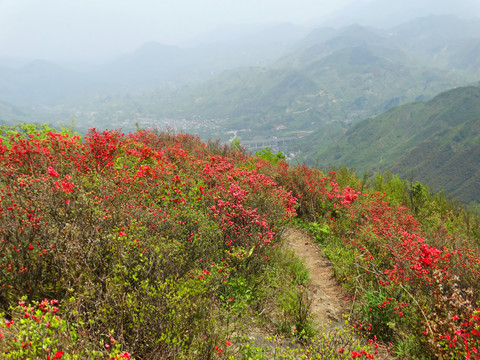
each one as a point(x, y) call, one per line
point(329, 302)
point(328, 297)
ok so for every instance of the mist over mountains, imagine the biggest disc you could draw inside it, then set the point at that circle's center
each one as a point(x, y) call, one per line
point(444, 43)
point(310, 85)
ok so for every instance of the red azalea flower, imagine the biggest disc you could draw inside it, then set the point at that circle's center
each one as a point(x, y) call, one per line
point(52, 172)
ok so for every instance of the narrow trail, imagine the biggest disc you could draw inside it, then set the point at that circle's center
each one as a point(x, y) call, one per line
point(328, 297)
point(328, 304)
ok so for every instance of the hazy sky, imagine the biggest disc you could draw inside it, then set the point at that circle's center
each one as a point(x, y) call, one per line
point(87, 29)
point(69, 28)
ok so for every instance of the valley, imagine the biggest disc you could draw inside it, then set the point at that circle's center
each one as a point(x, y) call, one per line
point(273, 190)
point(306, 93)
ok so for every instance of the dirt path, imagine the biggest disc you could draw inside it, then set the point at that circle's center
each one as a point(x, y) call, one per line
point(329, 302)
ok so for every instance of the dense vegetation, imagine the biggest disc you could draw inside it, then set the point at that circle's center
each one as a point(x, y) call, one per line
point(155, 246)
point(148, 244)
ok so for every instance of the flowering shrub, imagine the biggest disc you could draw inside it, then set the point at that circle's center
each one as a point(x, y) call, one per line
point(159, 245)
point(411, 280)
point(38, 331)
point(413, 273)
point(35, 332)
point(143, 232)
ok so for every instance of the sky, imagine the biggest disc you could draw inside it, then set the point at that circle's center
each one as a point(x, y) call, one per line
point(84, 30)
point(102, 28)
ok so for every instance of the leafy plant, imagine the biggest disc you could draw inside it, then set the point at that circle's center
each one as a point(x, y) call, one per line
point(268, 155)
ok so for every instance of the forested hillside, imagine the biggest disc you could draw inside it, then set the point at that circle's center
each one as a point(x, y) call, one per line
point(435, 142)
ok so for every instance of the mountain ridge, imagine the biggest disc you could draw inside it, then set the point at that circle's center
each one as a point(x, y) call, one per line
point(424, 141)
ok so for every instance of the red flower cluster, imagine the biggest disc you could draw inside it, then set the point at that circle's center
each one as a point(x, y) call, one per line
point(129, 188)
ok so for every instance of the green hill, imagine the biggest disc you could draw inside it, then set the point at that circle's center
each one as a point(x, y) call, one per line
point(341, 88)
point(332, 77)
point(10, 114)
point(435, 142)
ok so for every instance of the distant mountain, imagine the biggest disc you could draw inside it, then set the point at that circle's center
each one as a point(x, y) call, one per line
point(10, 114)
point(445, 42)
point(340, 76)
point(270, 81)
point(38, 82)
point(154, 63)
point(148, 67)
point(436, 142)
point(307, 89)
point(433, 31)
point(324, 41)
point(333, 77)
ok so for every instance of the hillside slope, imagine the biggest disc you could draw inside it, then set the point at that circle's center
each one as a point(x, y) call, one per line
point(435, 142)
point(330, 78)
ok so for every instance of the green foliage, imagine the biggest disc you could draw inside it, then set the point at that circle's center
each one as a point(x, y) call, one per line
point(339, 344)
point(296, 318)
point(320, 232)
point(34, 332)
point(268, 155)
point(434, 142)
point(394, 188)
point(235, 145)
point(237, 293)
point(419, 195)
point(39, 331)
point(377, 310)
point(173, 248)
point(24, 130)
